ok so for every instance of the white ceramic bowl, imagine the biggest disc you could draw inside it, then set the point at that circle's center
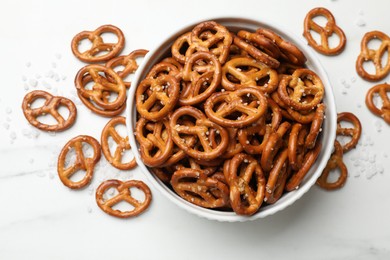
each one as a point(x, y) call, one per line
point(328, 133)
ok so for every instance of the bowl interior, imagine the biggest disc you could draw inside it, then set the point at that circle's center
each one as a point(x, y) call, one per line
point(328, 128)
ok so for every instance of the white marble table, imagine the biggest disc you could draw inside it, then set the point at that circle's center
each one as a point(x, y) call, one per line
point(42, 219)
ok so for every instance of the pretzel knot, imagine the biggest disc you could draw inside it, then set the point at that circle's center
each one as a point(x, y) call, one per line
point(102, 89)
point(324, 32)
point(122, 144)
point(124, 194)
point(253, 138)
point(384, 111)
point(128, 62)
point(335, 161)
point(354, 132)
point(97, 51)
point(248, 72)
point(51, 106)
point(200, 128)
point(247, 184)
point(375, 56)
point(302, 91)
point(203, 38)
point(194, 186)
point(238, 108)
point(81, 162)
point(203, 70)
point(155, 141)
point(155, 98)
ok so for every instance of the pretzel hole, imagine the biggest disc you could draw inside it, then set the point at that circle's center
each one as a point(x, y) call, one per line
point(123, 206)
point(137, 194)
point(48, 119)
point(263, 81)
point(63, 111)
point(183, 48)
point(89, 85)
point(320, 20)
point(333, 41)
point(109, 37)
point(334, 175)
point(374, 43)
point(88, 150)
point(111, 97)
point(77, 176)
point(343, 139)
point(127, 156)
point(369, 67)
point(378, 102)
point(110, 193)
point(70, 158)
point(232, 79)
point(84, 45)
point(316, 36)
point(37, 103)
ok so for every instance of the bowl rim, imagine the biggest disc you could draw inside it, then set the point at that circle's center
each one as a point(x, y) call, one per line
point(292, 196)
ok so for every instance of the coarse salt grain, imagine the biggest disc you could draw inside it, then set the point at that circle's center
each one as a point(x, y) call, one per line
point(33, 83)
point(360, 22)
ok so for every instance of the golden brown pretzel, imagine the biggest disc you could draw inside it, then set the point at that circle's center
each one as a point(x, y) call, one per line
point(221, 35)
point(316, 126)
point(260, 41)
point(354, 132)
point(253, 138)
point(163, 91)
point(204, 78)
point(102, 86)
point(155, 140)
point(98, 45)
point(200, 128)
point(335, 161)
point(248, 103)
point(324, 32)
point(295, 90)
point(183, 42)
point(296, 146)
point(164, 68)
point(277, 178)
point(256, 53)
point(366, 54)
point(384, 111)
point(272, 145)
point(253, 76)
point(234, 146)
point(124, 194)
point(82, 162)
point(128, 62)
point(122, 144)
point(194, 186)
point(191, 163)
point(51, 106)
point(288, 51)
point(247, 184)
point(296, 178)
